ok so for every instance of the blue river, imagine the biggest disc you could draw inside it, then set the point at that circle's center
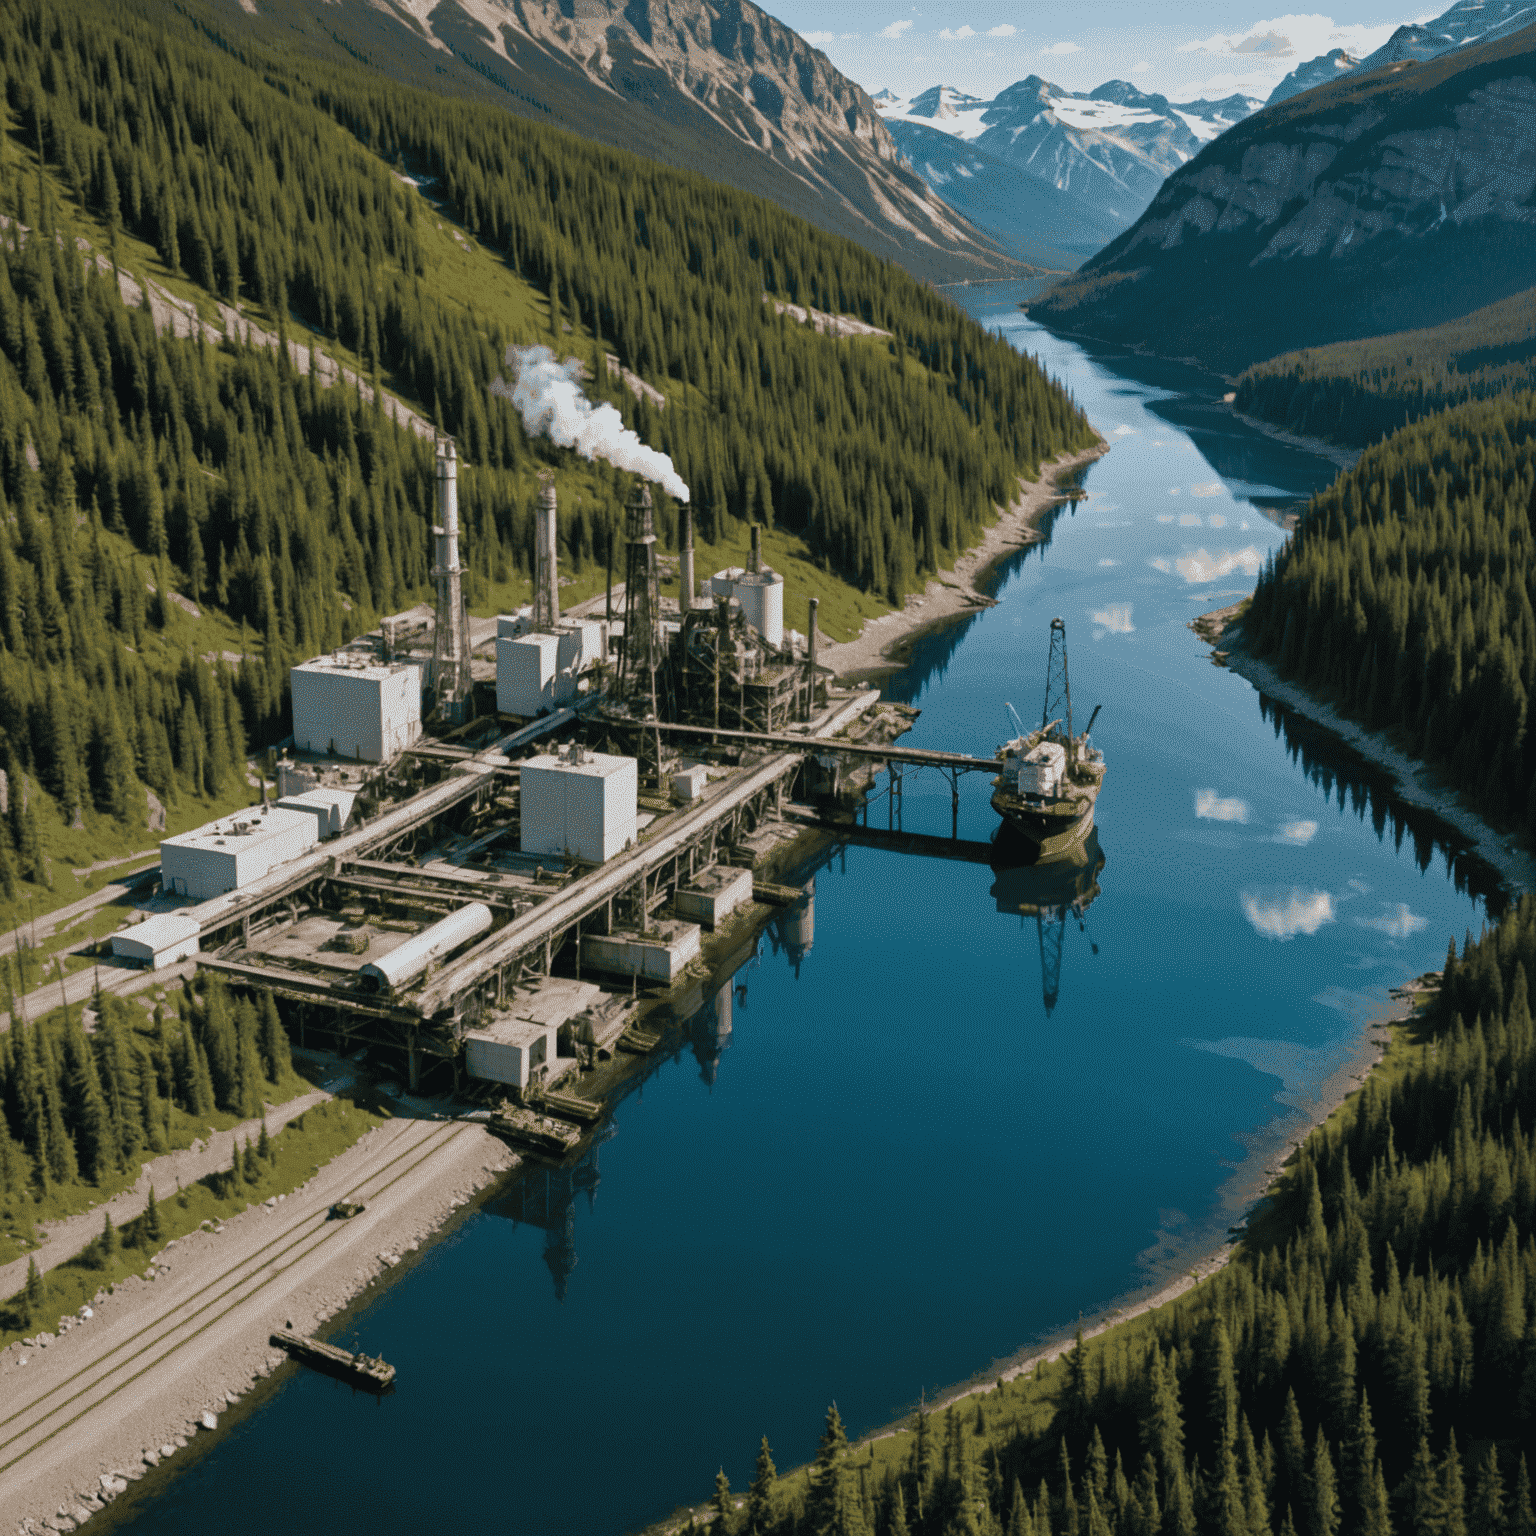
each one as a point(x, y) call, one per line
point(940, 1111)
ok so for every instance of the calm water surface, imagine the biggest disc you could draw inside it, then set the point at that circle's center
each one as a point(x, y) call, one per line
point(921, 1128)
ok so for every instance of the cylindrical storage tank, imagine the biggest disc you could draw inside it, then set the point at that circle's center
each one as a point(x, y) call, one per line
point(403, 965)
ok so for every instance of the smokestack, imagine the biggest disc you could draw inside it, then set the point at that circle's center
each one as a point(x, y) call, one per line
point(810, 656)
point(755, 560)
point(546, 580)
point(642, 617)
point(450, 651)
point(685, 564)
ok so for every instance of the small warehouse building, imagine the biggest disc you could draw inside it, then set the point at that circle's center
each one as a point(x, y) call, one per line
point(227, 854)
point(579, 804)
point(159, 941)
point(521, 1044)
point(365, 710)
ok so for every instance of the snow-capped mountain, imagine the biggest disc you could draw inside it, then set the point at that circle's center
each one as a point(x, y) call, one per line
point(1104, 153)
point(1469, 21)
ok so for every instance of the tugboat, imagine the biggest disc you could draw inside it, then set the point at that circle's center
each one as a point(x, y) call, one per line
point(1050, 778)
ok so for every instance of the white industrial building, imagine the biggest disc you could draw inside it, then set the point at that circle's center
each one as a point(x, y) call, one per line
point(580, 805)
point(331, 808)
point(714, 893)
point(367, 710)
point(521, 1043)
point(539, 670)
point(232, 852)
point(158, 941)
point(659, 954)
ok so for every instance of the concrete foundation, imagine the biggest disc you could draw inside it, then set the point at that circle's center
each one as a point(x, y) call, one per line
point(711, 897)
point(659, 955)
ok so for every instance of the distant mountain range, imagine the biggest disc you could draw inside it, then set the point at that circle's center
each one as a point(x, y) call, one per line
point(1053, 174)
point(1469, 21)
point(714, 86)
point(1387, 200)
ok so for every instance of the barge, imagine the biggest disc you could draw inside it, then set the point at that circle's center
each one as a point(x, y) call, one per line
point(366, 1371)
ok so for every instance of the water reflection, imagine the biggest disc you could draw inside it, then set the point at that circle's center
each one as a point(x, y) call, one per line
point(544, 1195)
point(793, 931)
point(1359, 785)
point(1050, 894)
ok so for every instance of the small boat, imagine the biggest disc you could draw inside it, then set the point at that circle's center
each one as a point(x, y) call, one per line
point(366, 1371)
point(1050, 778)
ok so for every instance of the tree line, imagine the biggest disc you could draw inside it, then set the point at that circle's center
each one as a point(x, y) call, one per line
point(78, 1110)
point(1366, 1364)
point(1406, 594)
point(1356, 392)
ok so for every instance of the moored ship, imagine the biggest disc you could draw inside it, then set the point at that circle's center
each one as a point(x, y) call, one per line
point(1050, 778)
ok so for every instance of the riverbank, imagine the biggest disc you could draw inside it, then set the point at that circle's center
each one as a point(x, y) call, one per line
point(1344, 458)
point(147, 1370)
point(1413, 781)
point(880, 646)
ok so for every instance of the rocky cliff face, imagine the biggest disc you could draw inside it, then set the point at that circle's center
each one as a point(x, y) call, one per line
point(716, 86)
point(1399, 199)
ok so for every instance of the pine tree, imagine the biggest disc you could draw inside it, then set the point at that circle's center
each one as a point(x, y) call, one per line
point(150, 1225)
point(824, 1486)
point(1325, 1493)
point(32, 1293)
point(721, 1503)
point(760, 1496)
point(1487, 1513)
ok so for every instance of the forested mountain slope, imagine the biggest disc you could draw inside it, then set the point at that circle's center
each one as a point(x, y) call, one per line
point(1378, 202)
point(1365, 1365)
point(692, 83)
point(1356, 391)
point(294, 515)
point(1406, 593)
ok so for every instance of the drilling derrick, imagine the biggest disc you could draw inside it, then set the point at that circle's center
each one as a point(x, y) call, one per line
point(450, 653)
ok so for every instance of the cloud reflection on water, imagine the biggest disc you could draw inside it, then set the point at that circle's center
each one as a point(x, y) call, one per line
point(1300, 833)
point(1283, 917)
point(1114, 619)
point(1204, 566)
point(1396, 921)
point(1212, 807)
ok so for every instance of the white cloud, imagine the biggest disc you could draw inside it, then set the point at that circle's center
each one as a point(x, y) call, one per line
point(1283, 917)
point(1271, 48)
point(1114, 620)
point(1299, 833)
point(895, 29)
point(1107, 563)
point(1216, 520)
point(819, 39)
point(1123, 431)
point(1207, 488)
point(1210, 806)
point(1396, 922)
point(1140, 67)
point(1160, 565)
point(1003, 29)
point(1204, 566)
point(959, 34)
point(1061, 48)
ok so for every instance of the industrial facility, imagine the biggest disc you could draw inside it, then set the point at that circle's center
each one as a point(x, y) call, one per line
point(483, 863)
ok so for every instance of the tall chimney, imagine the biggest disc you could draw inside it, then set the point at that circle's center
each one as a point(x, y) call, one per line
point(450, 651)
point(642, 616)
point(810, 658)
point(546, 579)
point(755, 559)
point(685, 563)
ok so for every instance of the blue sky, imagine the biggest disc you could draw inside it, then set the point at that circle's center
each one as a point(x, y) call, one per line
point(1183, 50)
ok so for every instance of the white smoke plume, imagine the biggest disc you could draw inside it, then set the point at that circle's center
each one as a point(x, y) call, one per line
point(548, 396)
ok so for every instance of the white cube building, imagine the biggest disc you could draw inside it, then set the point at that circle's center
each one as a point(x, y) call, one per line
point(582, 805)
point(225, 855)
point(365, 711)
point(526, 669)
point(510, 1051)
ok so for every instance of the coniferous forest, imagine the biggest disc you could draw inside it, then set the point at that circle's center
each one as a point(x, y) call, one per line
point(1406, 593)
point(145, 477)
point(1365, 1365)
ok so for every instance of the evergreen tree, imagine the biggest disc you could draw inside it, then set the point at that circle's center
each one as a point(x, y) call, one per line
point(760, 1496)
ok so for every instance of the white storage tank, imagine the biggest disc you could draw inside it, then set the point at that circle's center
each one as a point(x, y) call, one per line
point(228, 854)
point(761, 596)
point(404, 964)
point(1041, 769)
point(365, 711)
point(158, 941)
point(525, 673)
point(581, 804)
